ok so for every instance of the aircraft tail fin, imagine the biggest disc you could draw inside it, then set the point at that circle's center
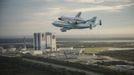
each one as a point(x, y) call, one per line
point(92, 19)
point(78, 15)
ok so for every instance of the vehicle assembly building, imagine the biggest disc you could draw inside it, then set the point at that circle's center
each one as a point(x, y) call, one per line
point(44, 41)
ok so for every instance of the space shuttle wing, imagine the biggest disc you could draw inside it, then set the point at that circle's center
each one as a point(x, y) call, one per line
point(78, 15)
point(70, 21)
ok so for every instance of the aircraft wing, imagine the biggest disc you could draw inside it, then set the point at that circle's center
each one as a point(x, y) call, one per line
point(78, 15)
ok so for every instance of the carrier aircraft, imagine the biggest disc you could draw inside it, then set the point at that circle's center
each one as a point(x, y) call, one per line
point(76, 22)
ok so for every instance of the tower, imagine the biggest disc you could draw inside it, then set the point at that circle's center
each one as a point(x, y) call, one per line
point(53, 43)
point(50, 41)
point(45, 41)
point(39, 41)
point(48, 37)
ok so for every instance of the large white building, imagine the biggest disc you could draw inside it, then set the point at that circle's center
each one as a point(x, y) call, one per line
point(39, 41)
point(50, 41)
point(45, 41)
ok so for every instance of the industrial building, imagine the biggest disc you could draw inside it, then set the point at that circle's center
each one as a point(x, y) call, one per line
point(50, 41)
point(44, 41)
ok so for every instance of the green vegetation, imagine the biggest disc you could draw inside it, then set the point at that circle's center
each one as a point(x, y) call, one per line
point(95, 44)
point(17, 66)
point(13, 66)
point(120, 54)
point(95, 50)
point(90, 67)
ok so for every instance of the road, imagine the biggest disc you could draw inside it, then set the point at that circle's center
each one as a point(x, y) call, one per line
point(61, 66)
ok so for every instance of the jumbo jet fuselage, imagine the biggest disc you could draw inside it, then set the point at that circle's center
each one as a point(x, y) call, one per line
point(68, 26)
point(67, 23)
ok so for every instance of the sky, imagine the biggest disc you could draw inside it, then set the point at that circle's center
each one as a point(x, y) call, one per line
point(24, 17)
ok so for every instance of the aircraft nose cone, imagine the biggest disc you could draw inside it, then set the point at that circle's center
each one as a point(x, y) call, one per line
point(53, 23)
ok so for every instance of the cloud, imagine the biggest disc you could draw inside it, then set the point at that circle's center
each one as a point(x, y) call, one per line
point(116, 8)
point(22, 16)
point(82, 1)
point(48, 14)
point(96, 1)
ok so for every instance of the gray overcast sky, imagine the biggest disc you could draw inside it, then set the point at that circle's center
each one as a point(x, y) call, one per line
point(24, 17)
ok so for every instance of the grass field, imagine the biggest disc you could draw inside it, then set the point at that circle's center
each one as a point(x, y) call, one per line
point(95, 50)
point(120, 54)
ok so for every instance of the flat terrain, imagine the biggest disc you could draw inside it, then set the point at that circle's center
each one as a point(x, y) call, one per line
point(23, 66)
point(95, 50)
point(9, 67)
point(120, 54)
